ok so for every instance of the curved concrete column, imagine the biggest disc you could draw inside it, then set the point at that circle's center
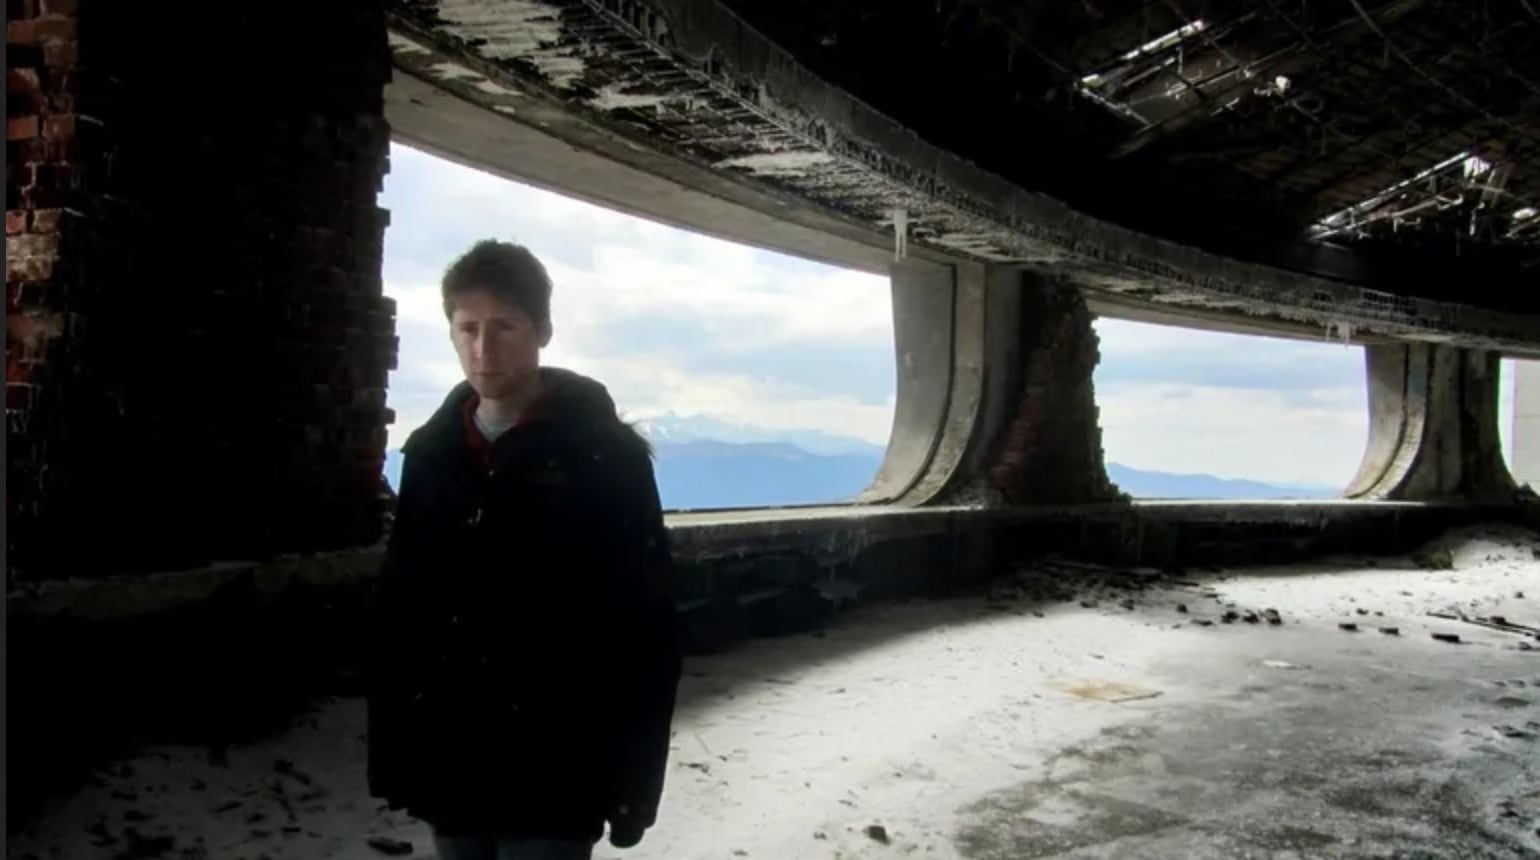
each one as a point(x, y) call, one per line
point(1432, 426)
point(967, 354)
point(1034, 437)
point(924, 331)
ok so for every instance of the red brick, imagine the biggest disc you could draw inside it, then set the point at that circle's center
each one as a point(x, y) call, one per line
point(15, 222)
point(39, 150)
point(28, 268)
point(59, 127)
point(29, 246)
point(21, 128)
point(18, 397)
point(39, 31)
point(46, 220)
point(21, 32)
point(59, 103)
point(57, 54)
point(21, 81)
point(18, 371)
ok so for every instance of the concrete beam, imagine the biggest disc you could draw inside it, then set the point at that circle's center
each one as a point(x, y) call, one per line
point(1432, 426)
point(549, 147)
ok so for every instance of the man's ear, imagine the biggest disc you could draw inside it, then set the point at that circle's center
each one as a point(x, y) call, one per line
point(546, 330)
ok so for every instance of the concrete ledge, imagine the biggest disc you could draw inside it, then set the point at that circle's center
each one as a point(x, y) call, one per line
point(821, 539)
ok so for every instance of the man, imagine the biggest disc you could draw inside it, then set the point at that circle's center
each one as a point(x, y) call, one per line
point(525, 665)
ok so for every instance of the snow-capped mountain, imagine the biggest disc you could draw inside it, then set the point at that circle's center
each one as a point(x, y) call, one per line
point(702, 462)
point(678, 429)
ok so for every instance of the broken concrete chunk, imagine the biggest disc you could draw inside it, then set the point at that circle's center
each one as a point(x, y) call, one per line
point(1271, 616)
point(1435, 559)
point(390, 847)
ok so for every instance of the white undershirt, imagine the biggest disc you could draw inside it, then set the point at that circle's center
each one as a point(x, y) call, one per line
point(489, 430)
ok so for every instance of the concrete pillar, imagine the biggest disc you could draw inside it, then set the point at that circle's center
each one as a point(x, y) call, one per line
point(1524, 460)
point(194, 256)
point(1432, 426)
point(1039, 441)
point(925, 300)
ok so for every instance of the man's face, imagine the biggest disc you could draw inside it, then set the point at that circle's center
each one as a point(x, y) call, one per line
point(498, 344)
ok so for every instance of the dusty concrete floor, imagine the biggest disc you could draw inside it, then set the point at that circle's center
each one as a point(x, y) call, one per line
point(973, 728)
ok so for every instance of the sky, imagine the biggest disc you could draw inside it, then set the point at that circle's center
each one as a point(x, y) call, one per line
point(676, 322)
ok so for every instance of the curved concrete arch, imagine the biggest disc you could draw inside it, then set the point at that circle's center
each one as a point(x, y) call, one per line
point(1433, 432)
point(941, 340)
point(966, 396)
point(924, 299)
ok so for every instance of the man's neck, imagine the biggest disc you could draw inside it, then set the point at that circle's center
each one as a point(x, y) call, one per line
point(506, 411)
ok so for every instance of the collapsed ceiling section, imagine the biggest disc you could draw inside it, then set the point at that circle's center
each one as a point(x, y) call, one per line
point(1250, 122)
point(1198, 72)
point(1214, 155)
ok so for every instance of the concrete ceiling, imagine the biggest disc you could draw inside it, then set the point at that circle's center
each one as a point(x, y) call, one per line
point(678, 109)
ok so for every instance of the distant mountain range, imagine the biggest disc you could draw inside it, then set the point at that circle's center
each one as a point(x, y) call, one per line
point(704, 463)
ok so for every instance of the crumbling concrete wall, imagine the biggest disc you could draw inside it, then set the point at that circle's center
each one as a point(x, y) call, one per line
point(1051, 451)
point(194, 269)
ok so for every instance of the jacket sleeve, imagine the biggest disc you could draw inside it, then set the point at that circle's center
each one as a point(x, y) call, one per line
point(384, 629)
point(647, 667)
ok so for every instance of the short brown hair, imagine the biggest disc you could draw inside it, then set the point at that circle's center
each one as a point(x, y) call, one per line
point(507, 270)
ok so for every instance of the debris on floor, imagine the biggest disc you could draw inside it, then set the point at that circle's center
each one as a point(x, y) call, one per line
point(390, 847)
point(1103, 691)
point(968, 727)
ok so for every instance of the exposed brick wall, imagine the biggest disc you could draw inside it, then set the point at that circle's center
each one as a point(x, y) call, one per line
point(41, 205)
point(218, 388)
point(1051, 452)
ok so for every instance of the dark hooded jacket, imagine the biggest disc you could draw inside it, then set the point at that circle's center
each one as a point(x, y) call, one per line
point(525, 659)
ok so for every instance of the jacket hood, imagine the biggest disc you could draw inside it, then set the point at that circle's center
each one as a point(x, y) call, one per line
point(569, 398)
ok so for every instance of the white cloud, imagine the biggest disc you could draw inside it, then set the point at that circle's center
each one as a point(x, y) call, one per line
point(613, 273)
point(1251, 434)
point(677, 322)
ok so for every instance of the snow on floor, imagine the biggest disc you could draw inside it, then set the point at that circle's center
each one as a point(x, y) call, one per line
point(970, 729)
